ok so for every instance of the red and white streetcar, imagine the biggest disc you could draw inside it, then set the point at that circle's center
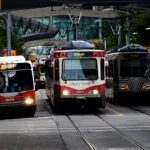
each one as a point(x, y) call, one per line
point(75, 74)
point(17, 88)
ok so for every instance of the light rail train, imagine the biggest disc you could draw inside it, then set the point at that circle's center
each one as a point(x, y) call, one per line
point(76, 75)
point(17, 88)
point(127, 74)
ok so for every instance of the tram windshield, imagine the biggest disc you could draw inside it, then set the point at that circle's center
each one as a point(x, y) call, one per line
point(80, 69)
point(16, 81)
point(134, 68)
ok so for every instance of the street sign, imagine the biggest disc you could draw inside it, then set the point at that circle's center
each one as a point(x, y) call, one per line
point(148, 48)
point(5, 52)
point(13, 52)
point(32, 58)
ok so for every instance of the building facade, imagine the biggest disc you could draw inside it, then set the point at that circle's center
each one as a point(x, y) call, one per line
point(87, 28)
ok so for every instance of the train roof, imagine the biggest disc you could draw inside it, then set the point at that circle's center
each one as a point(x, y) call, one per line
point(129, 48)
point(78, 45)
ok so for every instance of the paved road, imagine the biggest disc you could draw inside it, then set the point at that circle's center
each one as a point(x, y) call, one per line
point(104, 129)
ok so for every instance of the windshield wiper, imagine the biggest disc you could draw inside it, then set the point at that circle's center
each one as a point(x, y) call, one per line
point(74, 75)
point(64, 77)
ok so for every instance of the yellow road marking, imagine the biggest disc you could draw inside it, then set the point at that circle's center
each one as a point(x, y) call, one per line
point(114, 111)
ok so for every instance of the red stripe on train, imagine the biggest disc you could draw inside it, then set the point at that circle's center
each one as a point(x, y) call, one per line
point(79, 91)
point(30, 93)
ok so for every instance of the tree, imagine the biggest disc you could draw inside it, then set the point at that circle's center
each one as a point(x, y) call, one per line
point(139, 23)
point(112, 41)
point(97, 44)
point(16, 43)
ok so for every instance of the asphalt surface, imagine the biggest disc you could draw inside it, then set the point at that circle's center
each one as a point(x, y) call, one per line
point(111, 128)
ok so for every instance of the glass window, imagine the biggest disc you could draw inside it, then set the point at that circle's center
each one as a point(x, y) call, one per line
point(87, 28)
point(110, 68)
point(134, 68)
point(102, 68)
point(64, 24)
point(80, 69)
point(11, 81)
point(45, 20)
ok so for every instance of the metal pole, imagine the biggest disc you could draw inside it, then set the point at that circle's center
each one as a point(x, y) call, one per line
point(100, 30)
point(119, 33)
point(105, 44)
point(67, 35)
point(75, 32)
point(9, 21)
point(119, 38)
point(75, 25)
point(127, 31)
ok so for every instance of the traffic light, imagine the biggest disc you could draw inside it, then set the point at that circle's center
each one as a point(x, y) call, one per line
point(13, 53)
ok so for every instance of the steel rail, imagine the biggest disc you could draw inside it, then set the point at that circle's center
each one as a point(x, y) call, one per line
point(82, 135)
point(123, 134)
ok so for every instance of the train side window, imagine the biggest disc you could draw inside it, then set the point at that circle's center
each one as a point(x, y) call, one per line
point(56, 69)
point(102, 68)
point(115, 69)
point(110, 69)
point(106, 67)
point(51, 69)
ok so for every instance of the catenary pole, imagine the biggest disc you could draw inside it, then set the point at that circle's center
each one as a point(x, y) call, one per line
point(9, 22)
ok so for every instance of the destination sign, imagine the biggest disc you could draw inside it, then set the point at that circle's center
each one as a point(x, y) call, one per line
point(7, 66)
point(135, 55)
point(13, 66)
point(79, 54)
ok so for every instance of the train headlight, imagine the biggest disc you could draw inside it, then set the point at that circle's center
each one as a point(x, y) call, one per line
point(65, 92)
point(95, 91)
point(145, 86)
point(29, 101)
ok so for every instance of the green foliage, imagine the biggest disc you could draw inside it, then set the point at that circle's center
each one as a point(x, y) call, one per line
point(139, 23)
point(16, 43)
point(3, 39)
point(111, 41)
point(98, 45)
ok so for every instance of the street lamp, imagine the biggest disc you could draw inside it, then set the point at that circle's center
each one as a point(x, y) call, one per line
point(105, 43)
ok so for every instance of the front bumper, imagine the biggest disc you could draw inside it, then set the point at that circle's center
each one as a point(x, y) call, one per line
point(16, 104)
point(76, 96)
